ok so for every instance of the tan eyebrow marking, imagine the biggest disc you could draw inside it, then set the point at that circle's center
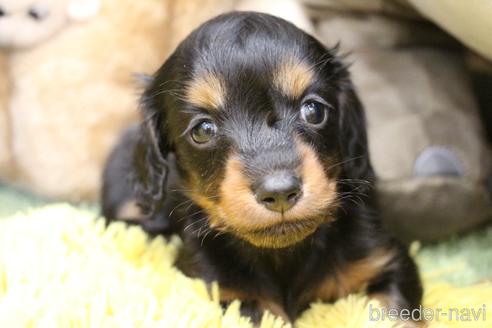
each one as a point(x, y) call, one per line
point(207, 91)
point(292, 77)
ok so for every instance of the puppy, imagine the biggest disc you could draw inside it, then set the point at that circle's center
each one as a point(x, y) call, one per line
point(253, 149)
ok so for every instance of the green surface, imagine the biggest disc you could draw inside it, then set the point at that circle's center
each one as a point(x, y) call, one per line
point(461, 260)
point(13, 200)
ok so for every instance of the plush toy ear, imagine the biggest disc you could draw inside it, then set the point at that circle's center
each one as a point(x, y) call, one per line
point(150, 160)
point(353, 143)
point(82, 10)
point(142, 80)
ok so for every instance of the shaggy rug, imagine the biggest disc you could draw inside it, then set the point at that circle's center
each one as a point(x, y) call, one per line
point(60, 267)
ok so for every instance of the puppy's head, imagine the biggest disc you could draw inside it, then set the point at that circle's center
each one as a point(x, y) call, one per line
point(264, 124)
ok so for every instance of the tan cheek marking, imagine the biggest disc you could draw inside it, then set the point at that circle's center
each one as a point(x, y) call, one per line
point(353, 278)
point(206, 91)
point(293, 77)
point(238, 204)
point(193, 187)
point(318, 190)
point(210, 207)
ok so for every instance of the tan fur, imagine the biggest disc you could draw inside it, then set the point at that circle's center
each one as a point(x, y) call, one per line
point(352, 278)
point(130, 211)
point(192, 186)
point(206, 91)
point(293, 77)
point(238, 209)
point(210, 206)
point(229, 295)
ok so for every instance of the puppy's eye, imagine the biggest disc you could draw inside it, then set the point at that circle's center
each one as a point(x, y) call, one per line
point(314, 112)
point(2, 12)
point(203, 132)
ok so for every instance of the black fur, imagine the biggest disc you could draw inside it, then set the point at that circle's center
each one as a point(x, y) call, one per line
point(245, 48)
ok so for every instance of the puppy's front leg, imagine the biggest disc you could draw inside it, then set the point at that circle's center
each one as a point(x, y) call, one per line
point(398, 289)
point(252, 306)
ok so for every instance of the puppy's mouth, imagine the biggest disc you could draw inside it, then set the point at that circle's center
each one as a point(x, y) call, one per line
point(246, 211)
point(282, 234)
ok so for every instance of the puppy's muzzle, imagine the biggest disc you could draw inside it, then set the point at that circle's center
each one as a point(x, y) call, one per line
point(278, 191)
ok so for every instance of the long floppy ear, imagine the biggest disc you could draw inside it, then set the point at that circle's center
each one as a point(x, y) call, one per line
point(353, 145)
point(150, 165)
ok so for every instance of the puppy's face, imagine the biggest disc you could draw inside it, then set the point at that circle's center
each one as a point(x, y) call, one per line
point(250, 105)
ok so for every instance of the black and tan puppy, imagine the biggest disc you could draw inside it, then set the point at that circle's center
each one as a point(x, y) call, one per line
point(265, 139)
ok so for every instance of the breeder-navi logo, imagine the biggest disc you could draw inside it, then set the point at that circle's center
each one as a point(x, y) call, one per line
point(428, 314)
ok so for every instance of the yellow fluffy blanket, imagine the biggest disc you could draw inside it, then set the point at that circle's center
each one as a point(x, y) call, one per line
point(59, 267)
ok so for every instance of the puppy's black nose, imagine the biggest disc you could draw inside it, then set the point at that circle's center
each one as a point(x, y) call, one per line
point(279, 191)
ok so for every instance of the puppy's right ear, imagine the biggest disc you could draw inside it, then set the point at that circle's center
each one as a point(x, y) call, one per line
point(149, 159)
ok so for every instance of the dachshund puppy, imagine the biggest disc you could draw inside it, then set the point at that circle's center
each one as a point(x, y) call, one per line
point(253, 149)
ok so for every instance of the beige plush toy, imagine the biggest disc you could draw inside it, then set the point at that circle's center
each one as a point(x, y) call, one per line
point(5, 151)
point(70, 66)
point(469, 21)
point(26, 23)
point(187, 15)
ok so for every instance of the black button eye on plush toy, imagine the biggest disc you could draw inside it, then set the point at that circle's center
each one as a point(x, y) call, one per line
point(253, 149)
point(38, 13)
point(26, 24)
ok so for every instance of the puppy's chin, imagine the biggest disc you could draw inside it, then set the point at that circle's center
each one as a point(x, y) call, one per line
point(281, 235)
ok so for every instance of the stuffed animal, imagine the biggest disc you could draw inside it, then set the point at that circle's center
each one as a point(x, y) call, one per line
point(187, 15)
point(469, 21)
point(426, 140)
point(5, 151)
point(70, 66)
point(25, 23)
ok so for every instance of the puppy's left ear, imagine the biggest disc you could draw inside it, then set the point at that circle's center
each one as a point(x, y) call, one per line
point(150, 157)
point(353, 143)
